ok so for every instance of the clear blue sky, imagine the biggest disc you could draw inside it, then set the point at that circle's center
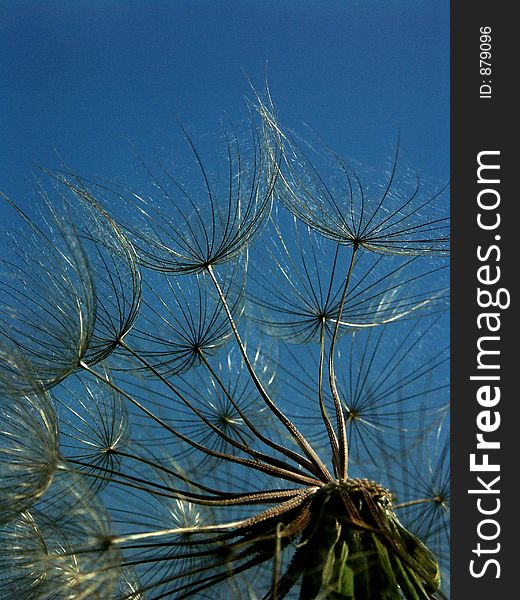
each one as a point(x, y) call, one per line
point(85, 78)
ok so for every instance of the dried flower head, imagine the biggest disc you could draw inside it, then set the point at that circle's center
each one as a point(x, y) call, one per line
point(218, 435)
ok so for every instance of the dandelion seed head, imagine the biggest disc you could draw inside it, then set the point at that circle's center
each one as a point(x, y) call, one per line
point(227, 400)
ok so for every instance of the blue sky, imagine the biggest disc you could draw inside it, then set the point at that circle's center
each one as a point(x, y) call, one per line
point(98, 81)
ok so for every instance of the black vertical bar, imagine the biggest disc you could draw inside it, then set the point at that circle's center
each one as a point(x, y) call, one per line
point(484, 129)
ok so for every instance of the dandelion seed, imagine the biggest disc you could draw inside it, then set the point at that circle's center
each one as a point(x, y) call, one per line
point(209, 219)
point(71, 294)
point(301, 279)
point(28, 438)
point(397, 214)
point(47, 297)
point(60, 549)
point(184, 321)
point(94, 427)
point(113, 263)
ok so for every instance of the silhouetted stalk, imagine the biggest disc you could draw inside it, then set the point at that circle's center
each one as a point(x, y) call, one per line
point(258, 434)
point(241, 446)
point(333, 440)
point(289, 475)
point(340, 416)
point(296, 435)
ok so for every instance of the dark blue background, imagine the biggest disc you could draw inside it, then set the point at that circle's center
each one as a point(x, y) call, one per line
point(91, 80)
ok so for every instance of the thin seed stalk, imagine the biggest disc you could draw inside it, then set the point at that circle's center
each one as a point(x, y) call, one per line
point(340, 416)
point(319, 468)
